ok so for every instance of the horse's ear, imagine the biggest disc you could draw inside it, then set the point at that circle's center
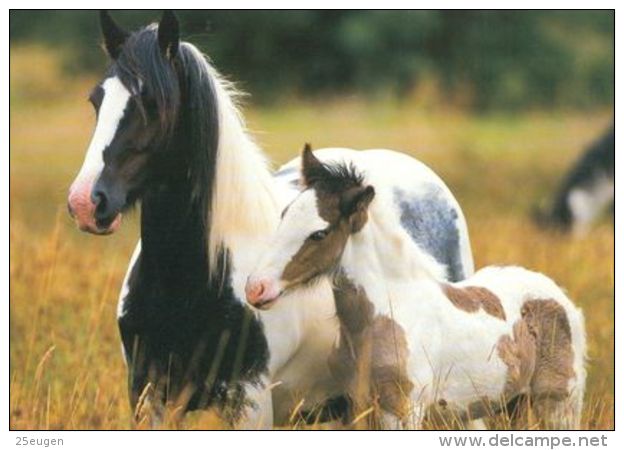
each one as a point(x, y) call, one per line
point(311, 168)
point(169, 34)
point(114, 36)
point(354, 206)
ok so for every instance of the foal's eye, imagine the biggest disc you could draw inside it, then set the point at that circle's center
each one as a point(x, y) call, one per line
point(318, 235)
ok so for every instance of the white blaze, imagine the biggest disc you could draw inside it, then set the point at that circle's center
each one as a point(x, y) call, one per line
point(112, 109)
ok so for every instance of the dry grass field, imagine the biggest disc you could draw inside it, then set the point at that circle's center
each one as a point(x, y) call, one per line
point(66, 366)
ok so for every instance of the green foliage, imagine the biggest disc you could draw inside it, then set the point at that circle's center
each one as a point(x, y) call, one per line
point(489, 59)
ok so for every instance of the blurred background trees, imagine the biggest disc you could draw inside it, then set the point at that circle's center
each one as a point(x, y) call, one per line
point(482, 60)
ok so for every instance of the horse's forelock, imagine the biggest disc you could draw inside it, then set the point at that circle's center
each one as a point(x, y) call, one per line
point(141, 65)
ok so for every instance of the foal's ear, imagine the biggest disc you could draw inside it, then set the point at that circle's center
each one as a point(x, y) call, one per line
point(312, 169)
point(114, 36)
point(354, 205)
point(169, 34)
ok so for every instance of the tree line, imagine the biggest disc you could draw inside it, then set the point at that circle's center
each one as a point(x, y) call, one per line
point(490, 59)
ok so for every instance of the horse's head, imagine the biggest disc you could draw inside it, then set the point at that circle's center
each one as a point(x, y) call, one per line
point(313, 232)
point(136, 105)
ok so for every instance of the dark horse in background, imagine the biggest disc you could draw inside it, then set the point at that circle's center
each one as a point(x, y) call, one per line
point(586, 190)
point(170, 136)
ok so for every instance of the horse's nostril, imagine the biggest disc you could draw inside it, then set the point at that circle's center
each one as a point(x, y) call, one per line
point(103, 213)
point(98, 198)
point(102, 205)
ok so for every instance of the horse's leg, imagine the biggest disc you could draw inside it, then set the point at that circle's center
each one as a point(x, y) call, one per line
point(149, 411)
point(257, 413)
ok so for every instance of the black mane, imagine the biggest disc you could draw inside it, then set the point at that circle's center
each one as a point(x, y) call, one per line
point(184, 93)
point(183, 331)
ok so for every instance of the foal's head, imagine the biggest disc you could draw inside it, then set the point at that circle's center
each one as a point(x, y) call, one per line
point(314, 230)
point(136, 105)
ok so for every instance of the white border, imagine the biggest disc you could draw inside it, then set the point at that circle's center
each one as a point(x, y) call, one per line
point(259, 440)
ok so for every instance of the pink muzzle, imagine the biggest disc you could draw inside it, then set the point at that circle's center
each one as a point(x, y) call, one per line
point(82, 208)
point(261, 293)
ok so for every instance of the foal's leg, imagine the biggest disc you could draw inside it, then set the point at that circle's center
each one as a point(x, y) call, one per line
point(554, 413)
point(478, 424)
point(390, 421)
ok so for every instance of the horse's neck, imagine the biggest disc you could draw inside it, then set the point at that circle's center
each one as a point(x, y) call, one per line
point(243, 209)
point(383, 259)
point(173, 238)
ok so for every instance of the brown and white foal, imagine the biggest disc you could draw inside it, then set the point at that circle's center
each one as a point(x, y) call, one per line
point(414, 344)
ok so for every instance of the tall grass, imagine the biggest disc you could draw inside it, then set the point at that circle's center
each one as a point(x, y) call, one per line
point(67, 371)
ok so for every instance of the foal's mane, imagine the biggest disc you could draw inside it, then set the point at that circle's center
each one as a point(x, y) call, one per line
point(338, 177)
point(334, 177)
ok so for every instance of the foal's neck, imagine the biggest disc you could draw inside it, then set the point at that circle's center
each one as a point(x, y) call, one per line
point(382, 256)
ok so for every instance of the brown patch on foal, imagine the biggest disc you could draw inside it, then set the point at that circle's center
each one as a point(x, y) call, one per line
point(555, 358)
point(473, 298)
point(519, 353)
point(371, 359)
point(316, 257)
point(389, 366)
point(539, 358)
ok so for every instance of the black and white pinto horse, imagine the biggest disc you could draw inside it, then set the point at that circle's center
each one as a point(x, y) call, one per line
point(169, 135)
point(586, 190)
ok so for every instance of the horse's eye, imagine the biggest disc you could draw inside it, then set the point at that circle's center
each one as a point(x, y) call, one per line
point(318, 235)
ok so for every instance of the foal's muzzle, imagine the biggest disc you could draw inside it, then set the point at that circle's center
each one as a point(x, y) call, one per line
point(262, 293)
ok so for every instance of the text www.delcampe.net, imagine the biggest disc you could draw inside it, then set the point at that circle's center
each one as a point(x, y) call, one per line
point(523, 440)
